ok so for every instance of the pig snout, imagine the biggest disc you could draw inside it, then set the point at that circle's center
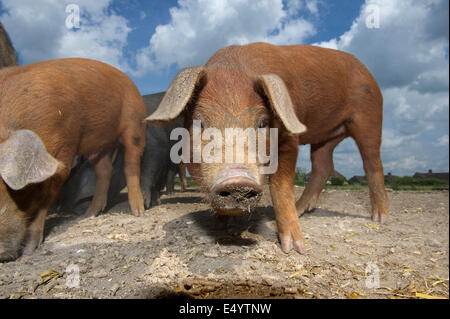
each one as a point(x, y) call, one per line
point(8, 253)
point(237, 190)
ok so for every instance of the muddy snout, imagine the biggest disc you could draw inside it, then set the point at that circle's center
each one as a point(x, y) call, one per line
point(236, 191)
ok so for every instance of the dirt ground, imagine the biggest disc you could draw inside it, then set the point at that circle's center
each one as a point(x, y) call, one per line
point(172, 252)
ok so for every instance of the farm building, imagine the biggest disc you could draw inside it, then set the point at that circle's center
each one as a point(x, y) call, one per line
point(430, 174)
point(361, 179)
point(357, 180)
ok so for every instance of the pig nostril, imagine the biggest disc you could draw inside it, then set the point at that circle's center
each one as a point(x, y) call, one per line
point(251, 194)
point(247, 195)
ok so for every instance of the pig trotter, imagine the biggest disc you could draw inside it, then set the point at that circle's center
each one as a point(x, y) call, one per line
point(146, 194)
point(305, 208)
point(93, 211)
point(379, 214)
point(292, 238)
point(136, 205)
point(33, 242)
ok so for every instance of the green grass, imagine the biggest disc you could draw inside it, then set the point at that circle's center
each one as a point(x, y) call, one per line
point(300, 177)
point(349, 187)
point(410, 183)
point(190, 181)
point(406, 183)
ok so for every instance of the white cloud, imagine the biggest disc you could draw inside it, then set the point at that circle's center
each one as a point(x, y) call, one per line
point(392, 141)
point(404, 47)
point(294, 6)
point(442, 141)
point(38, 30)
point(198, 28)
point(408, 55)
point(313, 6)
point(413, 112)
point(406, 164)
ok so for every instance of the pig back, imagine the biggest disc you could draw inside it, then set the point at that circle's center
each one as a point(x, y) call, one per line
point(76, 102)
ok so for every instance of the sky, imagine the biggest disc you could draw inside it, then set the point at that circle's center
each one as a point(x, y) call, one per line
point(404, 44)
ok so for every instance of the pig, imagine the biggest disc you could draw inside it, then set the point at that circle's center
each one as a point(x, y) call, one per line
point(8, 56)
point(156, 162)
point(50, 112)
point(311, 95)
point(157, 170)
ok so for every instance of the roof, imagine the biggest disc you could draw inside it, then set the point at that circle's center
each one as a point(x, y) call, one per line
point(441, 176)
point(390, 176)
point(357, 179)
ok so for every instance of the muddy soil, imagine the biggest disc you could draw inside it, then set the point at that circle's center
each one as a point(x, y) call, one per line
point(173, 252)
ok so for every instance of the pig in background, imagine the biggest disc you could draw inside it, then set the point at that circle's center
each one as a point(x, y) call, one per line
point(50, 112)
point(312, 95)
point(157, 170)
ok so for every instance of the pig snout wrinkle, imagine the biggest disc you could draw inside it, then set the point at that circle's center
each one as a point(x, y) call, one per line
point(236, 171)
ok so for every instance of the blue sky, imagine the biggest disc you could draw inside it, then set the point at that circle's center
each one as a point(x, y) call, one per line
point(404, 44)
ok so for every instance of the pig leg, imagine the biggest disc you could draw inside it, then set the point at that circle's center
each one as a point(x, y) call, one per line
point(170, 181)
point(182, 173)
point(283, 198)
point(369, 142)
point(322, 168)
point(156, 195)
point(132, 168)
point(103, 171)
point(146, 188)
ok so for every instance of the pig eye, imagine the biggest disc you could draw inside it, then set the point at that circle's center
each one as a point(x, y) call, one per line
point(263, 123)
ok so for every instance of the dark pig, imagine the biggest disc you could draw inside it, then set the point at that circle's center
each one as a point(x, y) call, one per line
point(79, 188)
point(8, 55)
point(175, 169)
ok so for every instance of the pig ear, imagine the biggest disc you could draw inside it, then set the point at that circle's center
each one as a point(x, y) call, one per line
point(278, 95)
point(177, 96)
point(24, 160)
